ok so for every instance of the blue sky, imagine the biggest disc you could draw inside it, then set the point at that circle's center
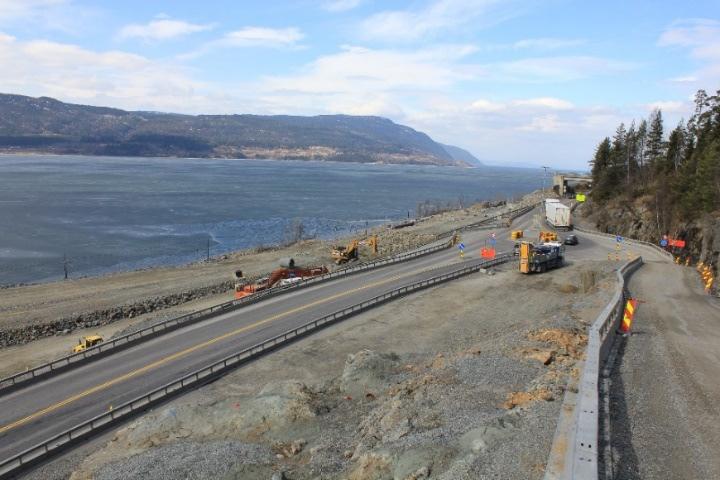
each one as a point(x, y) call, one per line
point(534, 82)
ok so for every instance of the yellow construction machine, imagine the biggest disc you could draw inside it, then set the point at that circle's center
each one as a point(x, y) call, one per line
point(545, 237)
point(86, 342)
point(351, 252)
point(541, 257)
point(516, 234)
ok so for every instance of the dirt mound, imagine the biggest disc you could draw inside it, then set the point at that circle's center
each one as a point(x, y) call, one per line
point(567, 342)
point(543, 356)
point(367, 372)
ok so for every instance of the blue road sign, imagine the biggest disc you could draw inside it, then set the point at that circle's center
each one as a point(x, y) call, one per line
point(461, 246)
point(618, 238)
point(663, 242)
point(493, 241)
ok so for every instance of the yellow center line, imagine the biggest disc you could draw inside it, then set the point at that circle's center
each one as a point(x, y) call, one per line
point(194, 348)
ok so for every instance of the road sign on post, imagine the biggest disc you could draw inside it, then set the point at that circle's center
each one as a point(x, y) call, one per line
point(580, 197)
point(618, 238)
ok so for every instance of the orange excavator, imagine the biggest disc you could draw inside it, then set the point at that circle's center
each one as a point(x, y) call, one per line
point(286, 274)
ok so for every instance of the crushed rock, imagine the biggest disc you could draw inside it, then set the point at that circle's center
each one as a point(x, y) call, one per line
point(522, 399)
point(367, 372)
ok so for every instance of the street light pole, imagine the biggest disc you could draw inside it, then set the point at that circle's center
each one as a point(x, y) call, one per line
point(545, 169)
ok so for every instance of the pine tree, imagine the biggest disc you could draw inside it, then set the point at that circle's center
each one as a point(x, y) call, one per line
point(655, 146)
point(631, 166)
point(641, 146)
point(676, 147)
point(601, 168)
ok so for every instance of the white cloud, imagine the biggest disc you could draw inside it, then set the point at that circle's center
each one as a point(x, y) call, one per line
point(670, 106)
point(701, 37)
point(262, 37)
point(544, 123)
point(359, 71)
point(113, 78)
point(341, 5)
point(545, 102)
point(258, 37)
point(548, 43)
point(11, 10)
point(437, 17)
point(55, 15)
point(557, 69)
point(486, 106)
point(161, 29)
point(684, 79)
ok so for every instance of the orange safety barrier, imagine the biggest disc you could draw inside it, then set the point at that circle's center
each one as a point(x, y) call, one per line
point(626, 324)
point(487, 253)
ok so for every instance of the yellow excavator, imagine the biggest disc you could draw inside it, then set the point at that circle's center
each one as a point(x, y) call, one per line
point(351, 252)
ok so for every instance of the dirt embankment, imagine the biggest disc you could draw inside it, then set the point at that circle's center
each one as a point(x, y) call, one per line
point(32, 312)
point(460, 381)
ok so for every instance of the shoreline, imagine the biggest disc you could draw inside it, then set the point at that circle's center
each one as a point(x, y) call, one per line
point(335, 162)
point(29, 313)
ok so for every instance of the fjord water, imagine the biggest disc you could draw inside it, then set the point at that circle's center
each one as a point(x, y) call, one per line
point(112, 214)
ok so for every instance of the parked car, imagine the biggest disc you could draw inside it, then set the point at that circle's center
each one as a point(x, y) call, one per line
point(571, 240)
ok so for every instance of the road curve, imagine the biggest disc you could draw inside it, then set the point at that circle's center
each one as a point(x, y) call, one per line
point(34, 413)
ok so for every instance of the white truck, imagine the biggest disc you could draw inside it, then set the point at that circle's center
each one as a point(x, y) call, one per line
point(557, 215)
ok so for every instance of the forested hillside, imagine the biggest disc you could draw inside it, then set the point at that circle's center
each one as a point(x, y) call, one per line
point(649, 182)
point(47, 125)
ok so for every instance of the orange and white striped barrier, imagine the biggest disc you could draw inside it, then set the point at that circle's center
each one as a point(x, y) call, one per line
point(626, 323)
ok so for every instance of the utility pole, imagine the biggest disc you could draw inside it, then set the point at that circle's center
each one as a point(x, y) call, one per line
point(65, 265)
point(208, 249)
point(545, 170)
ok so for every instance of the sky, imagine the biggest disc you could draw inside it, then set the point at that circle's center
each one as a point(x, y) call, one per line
point(531, 83)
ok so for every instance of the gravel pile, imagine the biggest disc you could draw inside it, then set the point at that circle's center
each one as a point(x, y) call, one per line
point(194, 461)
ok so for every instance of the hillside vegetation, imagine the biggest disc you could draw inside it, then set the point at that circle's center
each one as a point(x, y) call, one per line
point(647, 184)
point(47, 125)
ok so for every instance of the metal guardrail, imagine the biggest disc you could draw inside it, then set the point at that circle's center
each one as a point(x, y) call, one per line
point(22, 378)
point(165, 326)
point(628, 240)
point(13, 465)
point(582, 439)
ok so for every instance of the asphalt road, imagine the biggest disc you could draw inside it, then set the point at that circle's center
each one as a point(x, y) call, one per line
point(32, 414)
point(665, 414)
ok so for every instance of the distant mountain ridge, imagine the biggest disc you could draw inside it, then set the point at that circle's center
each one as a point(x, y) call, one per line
point(46, 125)
point(462, 155)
